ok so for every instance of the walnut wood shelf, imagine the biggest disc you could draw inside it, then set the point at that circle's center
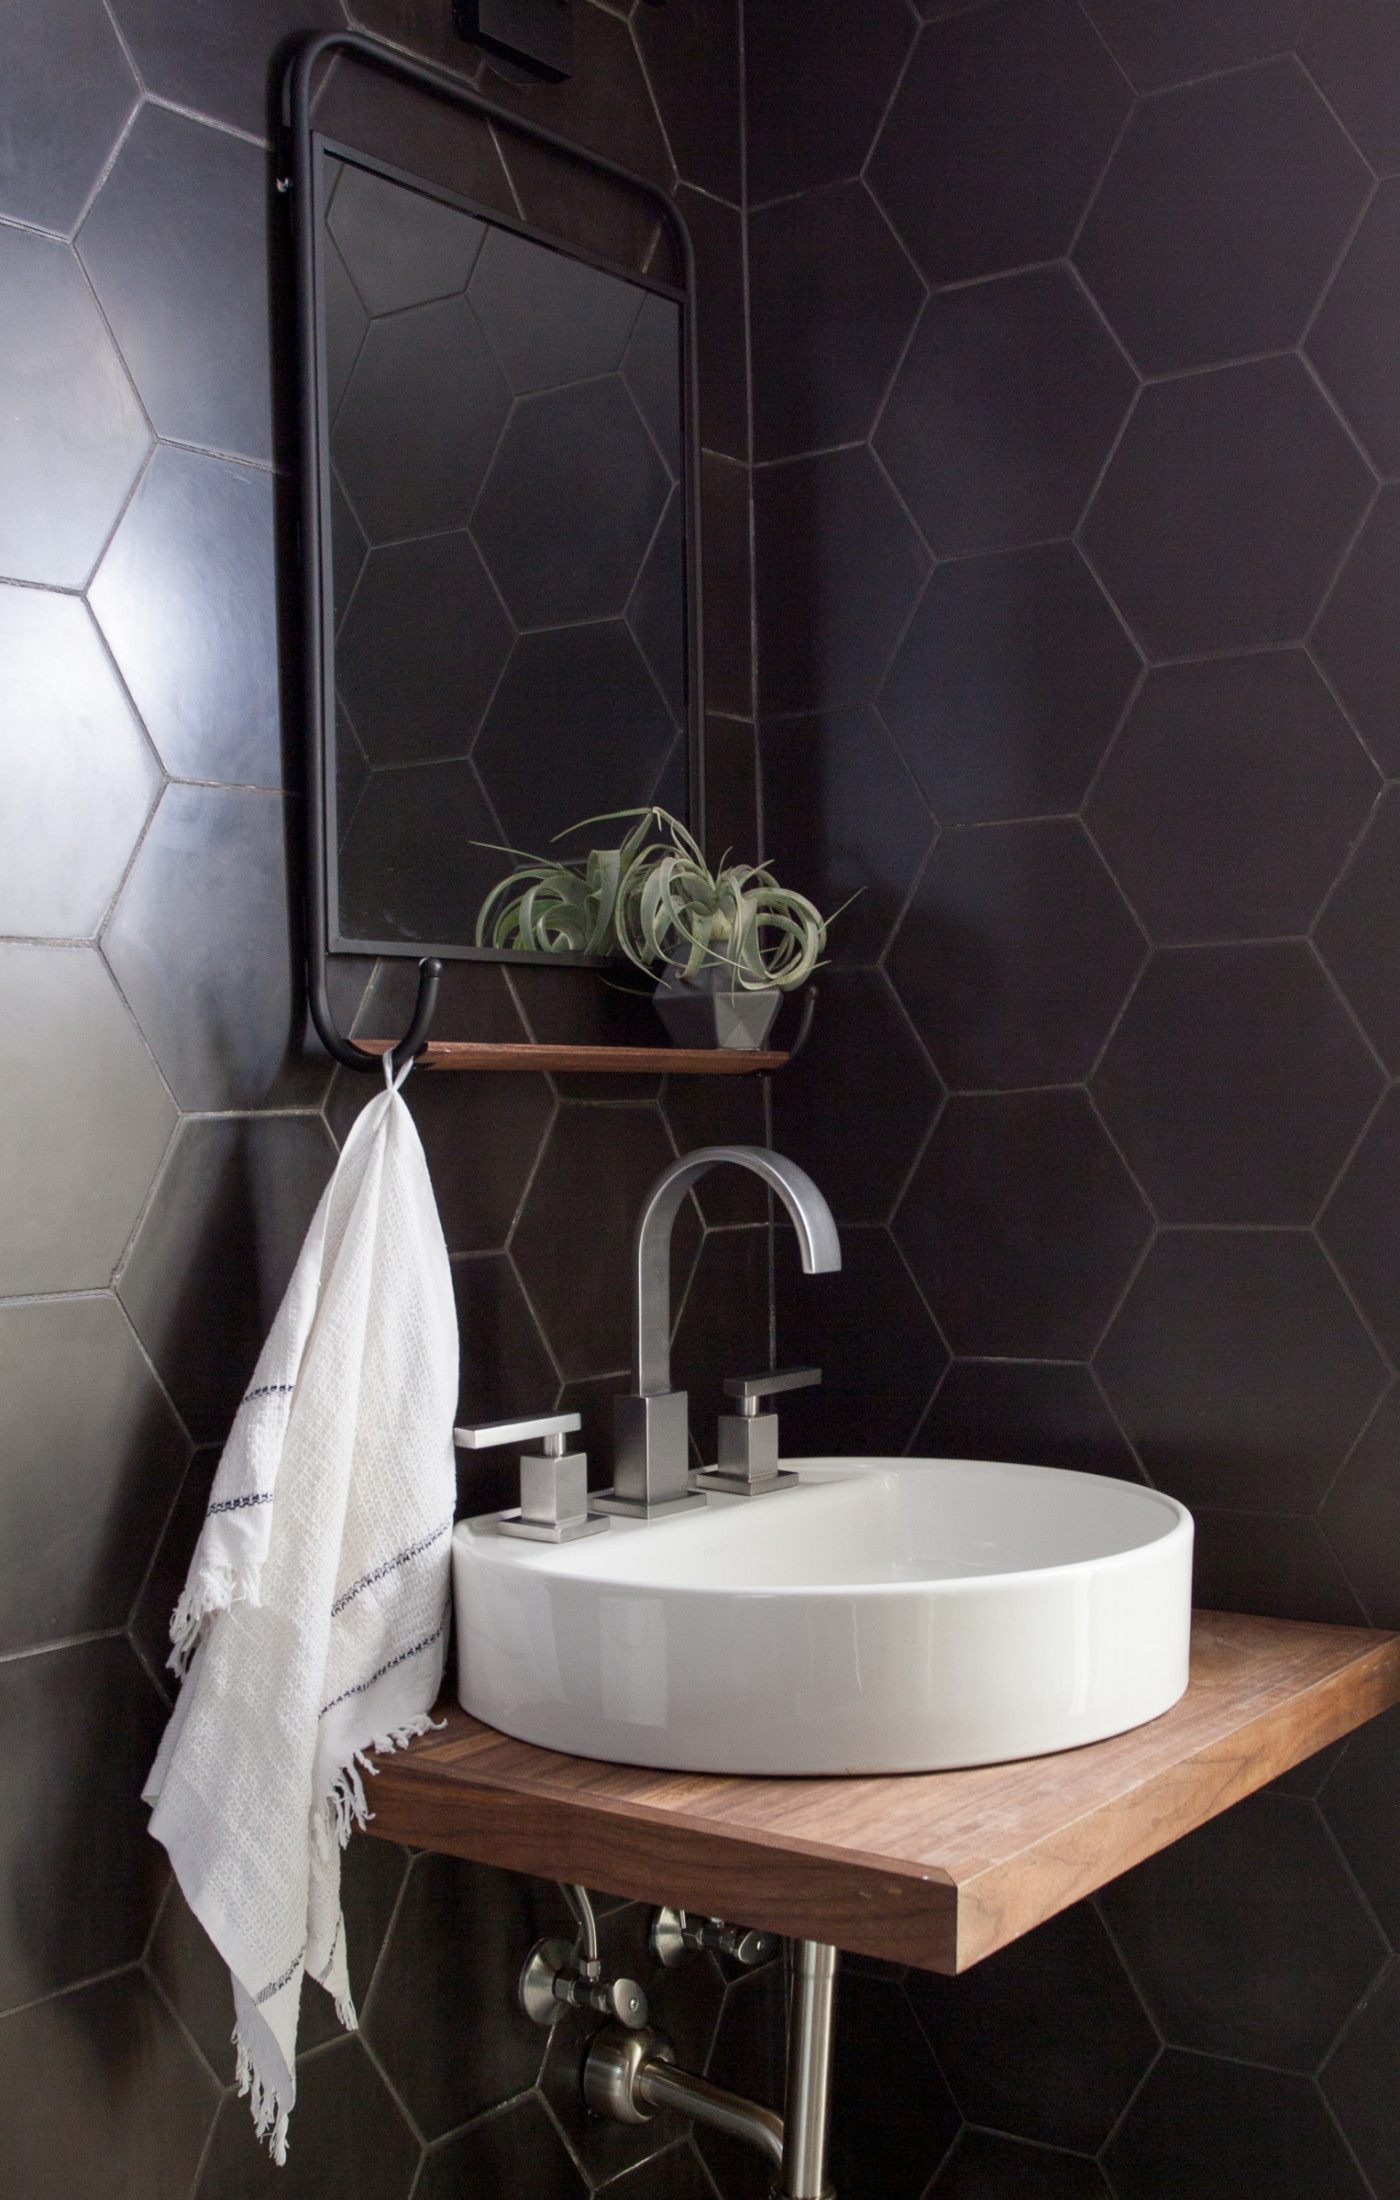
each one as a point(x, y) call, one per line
point(935, 1869)
point(603, 1061)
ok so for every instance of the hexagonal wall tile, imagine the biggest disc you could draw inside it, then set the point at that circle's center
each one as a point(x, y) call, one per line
point(416, 469)
point(983, 2167)
point(1201, 2126)
point(80, 1726)
point(1046, 2039)
point(451, 2039)
point(1271, 1563)
point(412, 866)
point(876, 1384)
point(1015, 954)
point(838, 569)
point(100, 2137)
point(571, 504)
point(87, 1119)
point(1030, 73)
point(1160, 46)
point(1007, 686)
point(1358, 924)
point(223, 1015)
point(1362, 2083)
point(421, 649)
point(576, 728)
point(400, 247)
point(80, 777)
point(1225, 509)
point(855, 1134)
point(66, 94)
point(1247, 1937)
point(1352, 48)
point(844, 823)
point(1239, 1368)
point(228, 1218)
point(892, 2115)
point(1353, 1225)
point(834, 299)
point(217, 66)
point(593, 1172)
point(1231, 796)
point(347, 2123)
point(1360, 1515)
point(1360, 1795)
point(1236, 1083)
point(1357, 641)
point(72, 435)
point(550, 319)
point(1358, 326)
point(519, 2147)
point(1021, 1225)
point(811, 124)
point(1003, 411)
point(1050, 1413)
point(93, 1458)
point(1221, 215)
point(186, 596)
point(176, 246)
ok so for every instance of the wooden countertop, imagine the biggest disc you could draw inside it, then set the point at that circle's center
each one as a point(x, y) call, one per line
point(936, 1869)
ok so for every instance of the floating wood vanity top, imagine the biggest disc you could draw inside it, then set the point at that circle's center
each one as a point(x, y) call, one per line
point(596, 1061)
point(937, 1869)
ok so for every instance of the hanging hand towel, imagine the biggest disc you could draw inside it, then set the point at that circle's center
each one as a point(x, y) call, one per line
point(312, 1624)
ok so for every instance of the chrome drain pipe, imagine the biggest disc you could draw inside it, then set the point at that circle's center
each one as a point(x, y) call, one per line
point(629, 2075)
point(807, 2116)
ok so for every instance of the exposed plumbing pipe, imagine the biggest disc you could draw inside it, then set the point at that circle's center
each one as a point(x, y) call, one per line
point(629, 2075)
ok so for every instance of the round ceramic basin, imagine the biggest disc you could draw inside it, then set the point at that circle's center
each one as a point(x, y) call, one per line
point(888, 1615)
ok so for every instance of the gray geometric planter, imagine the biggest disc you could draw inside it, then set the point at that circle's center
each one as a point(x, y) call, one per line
point(708, 1011)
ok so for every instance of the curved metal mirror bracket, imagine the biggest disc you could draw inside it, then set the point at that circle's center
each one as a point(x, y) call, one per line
point(295, 179)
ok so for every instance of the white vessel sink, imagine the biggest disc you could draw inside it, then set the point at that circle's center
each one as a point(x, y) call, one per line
point(887, 1616)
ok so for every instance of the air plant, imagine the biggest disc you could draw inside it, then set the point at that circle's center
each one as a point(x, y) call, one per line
point(656, 901)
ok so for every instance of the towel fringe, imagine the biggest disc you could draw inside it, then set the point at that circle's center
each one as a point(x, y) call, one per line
point(214, 1590)
point(270, 2111)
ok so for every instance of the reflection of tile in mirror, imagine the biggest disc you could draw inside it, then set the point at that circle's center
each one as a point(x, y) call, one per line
point(419, 421)
point(421, 650)
point(571, 503)
point(346, 324)
point(550, 319)
point(401, 247)
point(651, 369)
point(656, 609)
point(576, 728)
point(409, 867)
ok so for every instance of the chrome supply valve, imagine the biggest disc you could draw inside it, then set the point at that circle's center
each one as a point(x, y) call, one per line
point(675, 1935)
point(748, 1440)
point(553, 1482)
point(554, 1980)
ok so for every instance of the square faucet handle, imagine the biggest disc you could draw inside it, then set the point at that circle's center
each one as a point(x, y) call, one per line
point(553, 1427)
point(748, 1389)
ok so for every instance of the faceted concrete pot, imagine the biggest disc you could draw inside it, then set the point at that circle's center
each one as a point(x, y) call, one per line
point(708, 1010)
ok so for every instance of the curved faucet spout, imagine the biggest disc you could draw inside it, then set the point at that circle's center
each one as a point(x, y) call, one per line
point(817, 1241)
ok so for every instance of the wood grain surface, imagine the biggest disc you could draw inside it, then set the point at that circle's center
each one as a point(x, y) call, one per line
point(671, 1061)
point(936, 1869)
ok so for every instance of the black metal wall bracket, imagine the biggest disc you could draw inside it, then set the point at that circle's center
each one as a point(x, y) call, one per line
point(295, 180)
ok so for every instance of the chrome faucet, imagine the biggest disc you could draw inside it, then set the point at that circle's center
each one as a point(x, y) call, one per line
point(651, 1422)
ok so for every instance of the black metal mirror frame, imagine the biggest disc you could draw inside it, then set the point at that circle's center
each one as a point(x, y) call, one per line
point(299, 181)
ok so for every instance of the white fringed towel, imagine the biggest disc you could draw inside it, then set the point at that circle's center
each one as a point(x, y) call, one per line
point(313, 1621)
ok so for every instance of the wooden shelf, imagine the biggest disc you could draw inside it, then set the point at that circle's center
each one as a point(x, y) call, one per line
point(935, 1869)
point(599, 1061)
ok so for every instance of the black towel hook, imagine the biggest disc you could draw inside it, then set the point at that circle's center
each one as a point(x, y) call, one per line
point(345, 1051)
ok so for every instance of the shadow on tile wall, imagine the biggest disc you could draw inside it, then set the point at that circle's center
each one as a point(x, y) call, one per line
point(166, 1126)
point(1075, 333)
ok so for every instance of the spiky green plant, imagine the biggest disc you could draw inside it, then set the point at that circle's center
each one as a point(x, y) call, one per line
point(656, 901)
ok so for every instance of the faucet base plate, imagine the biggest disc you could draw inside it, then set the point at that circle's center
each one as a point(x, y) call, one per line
point(637, 1508)
point(743, 1485)
point(552, 1531)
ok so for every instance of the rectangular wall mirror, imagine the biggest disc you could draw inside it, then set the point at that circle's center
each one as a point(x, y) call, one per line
point(507, 550)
